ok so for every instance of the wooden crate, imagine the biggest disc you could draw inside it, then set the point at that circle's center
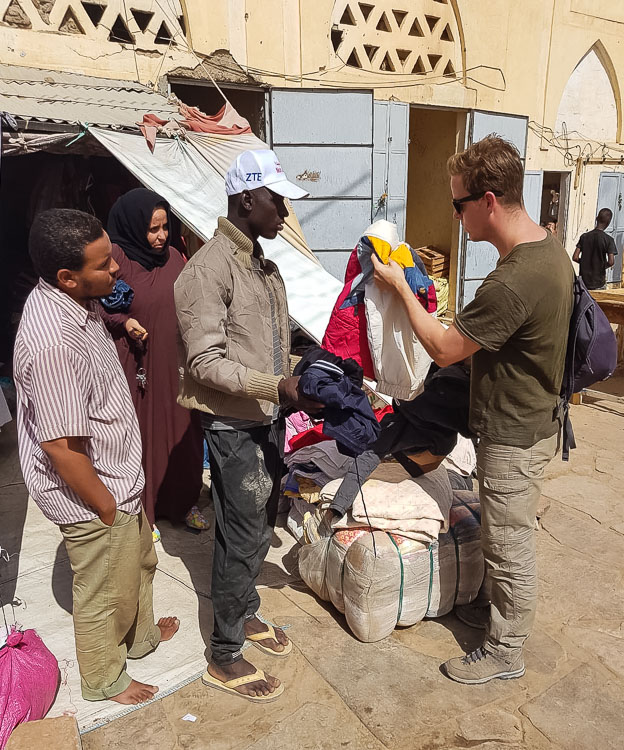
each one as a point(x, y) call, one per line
point(436, 263)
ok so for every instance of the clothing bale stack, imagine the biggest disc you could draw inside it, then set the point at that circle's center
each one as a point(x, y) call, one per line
point(381, 580)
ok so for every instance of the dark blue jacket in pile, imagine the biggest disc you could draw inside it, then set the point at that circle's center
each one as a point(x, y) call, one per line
point(348, 416)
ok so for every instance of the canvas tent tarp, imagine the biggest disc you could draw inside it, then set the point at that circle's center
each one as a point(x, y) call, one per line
point(189, 174)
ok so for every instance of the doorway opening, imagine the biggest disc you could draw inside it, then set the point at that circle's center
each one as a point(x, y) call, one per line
point(249, 102)
point(554, 208)
point(434, 135)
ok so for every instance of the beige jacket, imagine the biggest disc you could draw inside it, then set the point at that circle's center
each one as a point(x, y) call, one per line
point(224, 318)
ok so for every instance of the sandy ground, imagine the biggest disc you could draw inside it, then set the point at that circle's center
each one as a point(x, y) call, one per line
point(341, 693)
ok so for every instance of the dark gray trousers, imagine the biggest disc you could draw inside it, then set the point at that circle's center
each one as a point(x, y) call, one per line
point(246, 470)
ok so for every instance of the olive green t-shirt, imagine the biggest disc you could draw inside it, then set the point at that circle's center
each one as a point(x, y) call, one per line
point(520, 318)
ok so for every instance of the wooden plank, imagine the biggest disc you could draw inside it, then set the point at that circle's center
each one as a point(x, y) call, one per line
point(613, 310)
point(599, 395)
point(611, 302)
point(614, 295)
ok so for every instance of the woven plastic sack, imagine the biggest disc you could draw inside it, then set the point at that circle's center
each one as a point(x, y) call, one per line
point(29, 676)
point(380, 580)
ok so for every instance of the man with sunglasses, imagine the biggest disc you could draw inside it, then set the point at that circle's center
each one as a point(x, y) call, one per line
point(516, 331)
point(233, 320)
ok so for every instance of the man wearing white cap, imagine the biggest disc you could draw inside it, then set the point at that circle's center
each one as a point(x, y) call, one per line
point(233, 319)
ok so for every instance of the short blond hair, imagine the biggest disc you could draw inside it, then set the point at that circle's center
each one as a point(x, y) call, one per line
point(491, 164)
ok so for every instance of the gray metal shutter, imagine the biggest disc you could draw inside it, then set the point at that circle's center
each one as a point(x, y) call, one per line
point(610, 192)
point(390, 163)
point(324, 140)
point(532, 194)
point(477, 259)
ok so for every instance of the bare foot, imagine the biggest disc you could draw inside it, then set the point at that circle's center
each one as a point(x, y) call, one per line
point(241, 668)
point(257, 626)
point(136, 692)
point(168, 627)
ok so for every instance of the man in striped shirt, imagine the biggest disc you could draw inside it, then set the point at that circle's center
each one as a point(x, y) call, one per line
point(80, 452)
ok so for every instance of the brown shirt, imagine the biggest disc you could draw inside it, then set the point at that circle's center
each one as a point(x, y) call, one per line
point(226, 298)
point(520, 317)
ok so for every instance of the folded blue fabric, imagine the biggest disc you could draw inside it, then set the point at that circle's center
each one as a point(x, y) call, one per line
point(120, 299)
point(418, 282)
point(348, 417)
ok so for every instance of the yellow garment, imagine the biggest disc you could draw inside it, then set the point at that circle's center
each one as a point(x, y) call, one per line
point(381, 247)
point(403, 256)
point(308, 490)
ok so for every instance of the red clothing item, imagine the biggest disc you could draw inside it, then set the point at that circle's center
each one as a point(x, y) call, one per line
point(346, 334)
point(315, 434)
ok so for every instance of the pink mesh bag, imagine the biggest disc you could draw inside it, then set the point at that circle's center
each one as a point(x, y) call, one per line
point(29, 677)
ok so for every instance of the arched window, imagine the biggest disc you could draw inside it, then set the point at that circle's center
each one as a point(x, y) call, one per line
point(588, 107)
point(403, 36)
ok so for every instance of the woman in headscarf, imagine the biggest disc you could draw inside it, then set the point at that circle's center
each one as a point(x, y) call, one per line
point(143, 323)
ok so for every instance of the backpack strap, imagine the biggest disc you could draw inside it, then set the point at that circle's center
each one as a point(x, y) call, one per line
point(567, 433)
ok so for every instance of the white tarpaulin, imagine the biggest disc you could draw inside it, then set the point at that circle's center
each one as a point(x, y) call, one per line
point(189, 174)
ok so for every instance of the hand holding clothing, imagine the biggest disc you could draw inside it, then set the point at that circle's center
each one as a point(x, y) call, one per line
point(390, 277)
point(291, 395)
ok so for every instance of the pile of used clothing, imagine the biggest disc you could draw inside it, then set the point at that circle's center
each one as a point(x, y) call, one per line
point(396, 540)
point(371, 326)
point(383, 578)
point(317, 452)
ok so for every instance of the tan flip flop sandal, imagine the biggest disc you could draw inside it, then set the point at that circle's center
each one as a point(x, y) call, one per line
point(228, 687)
point(264, 635)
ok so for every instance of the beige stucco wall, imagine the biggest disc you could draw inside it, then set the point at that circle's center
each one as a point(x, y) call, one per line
point(518, 58)
point(87, 50)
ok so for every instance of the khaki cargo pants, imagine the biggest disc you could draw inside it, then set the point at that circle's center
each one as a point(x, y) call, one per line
point(510, 482)
point(112, 592)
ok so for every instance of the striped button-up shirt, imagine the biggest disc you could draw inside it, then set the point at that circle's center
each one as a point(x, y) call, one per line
point(70, 383)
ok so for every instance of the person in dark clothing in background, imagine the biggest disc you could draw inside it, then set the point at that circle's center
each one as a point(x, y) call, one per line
point(596, 251)
point(145, 335)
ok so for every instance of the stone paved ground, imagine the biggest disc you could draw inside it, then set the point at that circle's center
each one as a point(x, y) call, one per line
point(344, 694)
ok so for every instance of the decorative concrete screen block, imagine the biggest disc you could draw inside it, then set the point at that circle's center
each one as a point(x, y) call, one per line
point(146, 23)
point(14, 15)
point(396, 36)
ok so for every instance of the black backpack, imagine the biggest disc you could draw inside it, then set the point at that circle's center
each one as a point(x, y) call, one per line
point(591, 355)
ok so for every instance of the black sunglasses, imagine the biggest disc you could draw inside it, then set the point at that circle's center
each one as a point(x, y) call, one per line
point(457, 204)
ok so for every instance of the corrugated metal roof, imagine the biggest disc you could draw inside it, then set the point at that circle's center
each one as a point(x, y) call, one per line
point(48, 95)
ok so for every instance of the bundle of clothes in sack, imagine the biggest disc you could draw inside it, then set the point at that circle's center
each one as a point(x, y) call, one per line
point(381, 579)
point(389, 543)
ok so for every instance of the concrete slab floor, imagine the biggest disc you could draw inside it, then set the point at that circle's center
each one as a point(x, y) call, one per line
point(341, 693)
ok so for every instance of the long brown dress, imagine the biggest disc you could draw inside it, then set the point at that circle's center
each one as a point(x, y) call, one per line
point(171, 435)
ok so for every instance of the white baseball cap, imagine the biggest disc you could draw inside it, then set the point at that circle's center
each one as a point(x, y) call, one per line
point(255, 169)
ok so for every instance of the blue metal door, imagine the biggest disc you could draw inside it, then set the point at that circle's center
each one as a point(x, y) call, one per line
point(324, 140)
point(477, 259)
point(610, 195)
point(391, 137)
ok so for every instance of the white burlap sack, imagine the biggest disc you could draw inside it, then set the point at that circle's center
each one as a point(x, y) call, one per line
point(396, 581)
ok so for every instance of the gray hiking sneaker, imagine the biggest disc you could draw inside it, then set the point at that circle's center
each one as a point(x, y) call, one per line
point(482, 666)
point(474, 615)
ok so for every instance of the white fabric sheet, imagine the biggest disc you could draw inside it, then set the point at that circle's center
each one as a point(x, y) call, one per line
point(180, 172)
